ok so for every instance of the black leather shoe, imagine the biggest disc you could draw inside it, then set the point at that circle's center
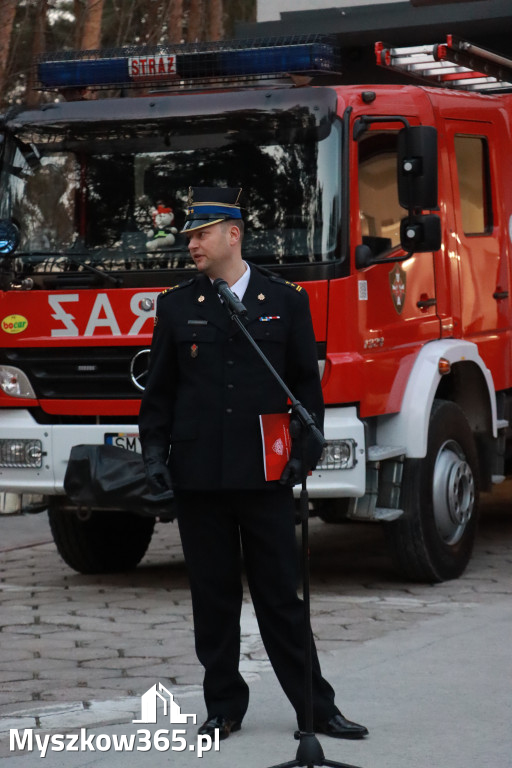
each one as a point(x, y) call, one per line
point(224, 724)
point(340, 728)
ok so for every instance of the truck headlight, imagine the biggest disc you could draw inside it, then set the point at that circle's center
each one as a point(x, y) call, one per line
point(338, 454)
point(15, 383)
point(21, 453)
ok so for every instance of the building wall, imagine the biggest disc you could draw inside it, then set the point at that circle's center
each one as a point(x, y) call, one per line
point(270, 10)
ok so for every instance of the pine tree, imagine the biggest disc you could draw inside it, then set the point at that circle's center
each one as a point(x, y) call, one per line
point(7, 14)
point(91, 32)
point(195, 21)
point(216, 20)
point(38, 47)
point(175, 24)
point(30, 27)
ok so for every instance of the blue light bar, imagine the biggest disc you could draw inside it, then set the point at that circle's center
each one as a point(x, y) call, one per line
point(79, 74)
point(203, 62)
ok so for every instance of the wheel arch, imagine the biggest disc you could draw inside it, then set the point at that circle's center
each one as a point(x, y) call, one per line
point(469, 384)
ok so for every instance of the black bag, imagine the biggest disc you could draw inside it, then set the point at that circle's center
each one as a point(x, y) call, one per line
point(107, 476)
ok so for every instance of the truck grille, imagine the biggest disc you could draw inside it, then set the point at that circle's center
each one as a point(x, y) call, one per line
point(85, 373)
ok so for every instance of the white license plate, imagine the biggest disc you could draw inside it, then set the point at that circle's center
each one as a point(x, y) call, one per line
point(128, 440)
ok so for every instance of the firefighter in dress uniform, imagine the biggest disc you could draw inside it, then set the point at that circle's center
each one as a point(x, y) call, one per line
point(200, 434)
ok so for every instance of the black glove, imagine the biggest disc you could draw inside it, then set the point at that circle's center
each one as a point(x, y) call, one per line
point(157, 474)
point(292, 474)
point(303, 458)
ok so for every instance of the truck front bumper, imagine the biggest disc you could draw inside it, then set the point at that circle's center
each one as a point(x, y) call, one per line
point(342, 469)
point(48, 447)
point(341, 474)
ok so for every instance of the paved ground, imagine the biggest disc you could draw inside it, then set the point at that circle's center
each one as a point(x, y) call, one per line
point(427, 668)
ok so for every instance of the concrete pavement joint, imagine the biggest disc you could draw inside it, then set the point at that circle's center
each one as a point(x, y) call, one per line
point(101, 641)
point(84, 713)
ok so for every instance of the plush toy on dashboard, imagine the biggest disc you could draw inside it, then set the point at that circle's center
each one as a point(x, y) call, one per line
point(162, 236)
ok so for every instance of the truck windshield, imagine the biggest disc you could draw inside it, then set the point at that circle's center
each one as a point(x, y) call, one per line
point(116, 196)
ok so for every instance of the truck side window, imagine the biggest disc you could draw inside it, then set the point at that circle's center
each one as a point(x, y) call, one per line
point(472, 157)
point(46, 202)
point(379, 210)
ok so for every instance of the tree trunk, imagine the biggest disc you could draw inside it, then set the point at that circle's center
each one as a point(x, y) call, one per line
point(216, 20)
point(91, 33)
point(78, 9)
point(145, 21)
point(38, 47)
point(7, 14)
point(175, 25)
point(195, 21)
point(124, 27)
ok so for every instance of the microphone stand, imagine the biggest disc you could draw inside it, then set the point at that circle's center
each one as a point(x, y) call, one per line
point(309, 752)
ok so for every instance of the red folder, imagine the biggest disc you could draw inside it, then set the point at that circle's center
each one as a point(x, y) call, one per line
point(277, 444)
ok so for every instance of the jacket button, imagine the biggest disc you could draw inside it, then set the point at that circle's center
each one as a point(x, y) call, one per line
point(229, 410)
point(230, 362)
point(231, 386)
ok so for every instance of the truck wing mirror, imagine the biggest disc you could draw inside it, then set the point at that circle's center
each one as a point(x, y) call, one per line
point(9, 237)
point(417, 167)
point(417, 191)
point(417, 188)
point(419, 234)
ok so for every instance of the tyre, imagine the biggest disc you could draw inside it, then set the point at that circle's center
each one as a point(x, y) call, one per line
point(434, 538)
point(105, 541)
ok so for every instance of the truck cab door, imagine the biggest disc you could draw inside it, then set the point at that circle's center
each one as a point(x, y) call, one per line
point(478, 237)
point(397, 300)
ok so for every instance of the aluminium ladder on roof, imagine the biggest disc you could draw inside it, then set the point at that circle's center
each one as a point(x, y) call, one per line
point(454, 64)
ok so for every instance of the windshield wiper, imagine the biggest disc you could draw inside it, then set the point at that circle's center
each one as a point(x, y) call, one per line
point(72, 259)
point(116, 281)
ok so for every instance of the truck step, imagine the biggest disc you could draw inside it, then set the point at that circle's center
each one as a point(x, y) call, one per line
point(382, 452)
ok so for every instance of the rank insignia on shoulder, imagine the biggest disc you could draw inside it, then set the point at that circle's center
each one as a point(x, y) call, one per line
point(168, 290)
point(175, 287)
point(281, 280)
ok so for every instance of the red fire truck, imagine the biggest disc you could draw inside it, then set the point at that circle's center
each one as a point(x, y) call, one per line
point(391, 205)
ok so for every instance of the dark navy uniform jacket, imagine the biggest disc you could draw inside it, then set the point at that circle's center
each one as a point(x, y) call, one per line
point(207, 386)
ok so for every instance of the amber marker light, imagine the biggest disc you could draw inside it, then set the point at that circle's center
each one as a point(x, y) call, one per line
point(444, 366)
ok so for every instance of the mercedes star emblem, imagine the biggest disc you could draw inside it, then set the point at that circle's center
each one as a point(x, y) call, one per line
point(139, 369)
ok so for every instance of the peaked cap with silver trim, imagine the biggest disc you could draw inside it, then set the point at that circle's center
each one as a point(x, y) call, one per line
point(210, 205)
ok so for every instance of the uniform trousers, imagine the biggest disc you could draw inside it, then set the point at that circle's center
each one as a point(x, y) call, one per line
point(217, 528)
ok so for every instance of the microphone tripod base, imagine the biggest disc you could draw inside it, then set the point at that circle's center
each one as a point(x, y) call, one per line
point(310, 754)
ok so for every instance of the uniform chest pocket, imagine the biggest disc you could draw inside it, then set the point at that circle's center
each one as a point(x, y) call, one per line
point(193, 334)
point(268, 331)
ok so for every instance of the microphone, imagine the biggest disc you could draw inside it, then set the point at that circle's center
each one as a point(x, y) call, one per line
point(231, 301)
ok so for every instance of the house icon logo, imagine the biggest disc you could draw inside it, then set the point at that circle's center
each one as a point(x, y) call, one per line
point(149, 701)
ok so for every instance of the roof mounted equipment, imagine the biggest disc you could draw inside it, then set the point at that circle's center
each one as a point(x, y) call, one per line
point(179, 65)
point(454, 64)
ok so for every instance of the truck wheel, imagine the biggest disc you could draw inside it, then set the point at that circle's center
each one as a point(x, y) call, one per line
point(105, 542)
point(434, 539)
